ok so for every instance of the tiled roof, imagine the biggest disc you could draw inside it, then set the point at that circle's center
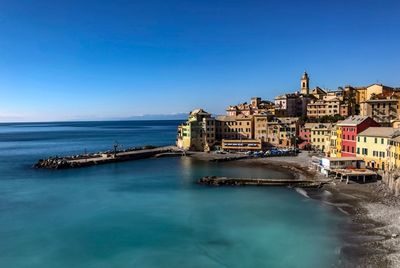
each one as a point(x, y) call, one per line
point(353, 120)
point(380, 132)
point(225, 118)
point(310, 125)
point(198, 111)
point(232, 118)
point(322, 126)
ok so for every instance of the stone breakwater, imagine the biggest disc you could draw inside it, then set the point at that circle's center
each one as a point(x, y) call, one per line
point(99, 158)
point(224, 181)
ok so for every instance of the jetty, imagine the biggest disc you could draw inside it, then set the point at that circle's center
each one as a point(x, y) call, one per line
point(100, 158)
point(225, 181)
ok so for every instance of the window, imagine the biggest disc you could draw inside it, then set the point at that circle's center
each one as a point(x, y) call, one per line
point(382, 141)
point(358, 150)
point(376, 140)
point(365, 139)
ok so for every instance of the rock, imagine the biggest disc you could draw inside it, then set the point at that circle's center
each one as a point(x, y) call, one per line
point(395, 235)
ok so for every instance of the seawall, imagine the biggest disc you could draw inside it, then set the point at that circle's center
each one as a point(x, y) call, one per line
point(106, 157)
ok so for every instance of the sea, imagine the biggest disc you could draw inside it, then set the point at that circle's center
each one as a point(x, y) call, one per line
point(151, 212)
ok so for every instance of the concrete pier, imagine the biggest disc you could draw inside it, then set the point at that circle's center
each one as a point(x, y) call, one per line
point(106, 157)
point(224, 181)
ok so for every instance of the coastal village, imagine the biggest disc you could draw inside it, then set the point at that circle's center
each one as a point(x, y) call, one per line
point(354, 129)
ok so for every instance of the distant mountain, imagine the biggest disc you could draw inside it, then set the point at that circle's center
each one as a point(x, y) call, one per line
point(178, 116)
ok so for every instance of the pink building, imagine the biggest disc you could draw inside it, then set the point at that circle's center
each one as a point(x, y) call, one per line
point(305, 135)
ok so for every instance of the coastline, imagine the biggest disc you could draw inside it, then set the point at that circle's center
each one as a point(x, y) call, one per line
point(372, 238)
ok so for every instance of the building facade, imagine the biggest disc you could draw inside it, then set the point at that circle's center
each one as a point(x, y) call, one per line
point(373, 146)
point(348, 129)
point(256, 106)
point(384, 110)
point(234, 127)
point(198, 132)
point(282, 132)
point(333, 141)
point(319, 136)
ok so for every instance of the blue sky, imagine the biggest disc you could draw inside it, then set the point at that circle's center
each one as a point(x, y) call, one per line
point(67, 60)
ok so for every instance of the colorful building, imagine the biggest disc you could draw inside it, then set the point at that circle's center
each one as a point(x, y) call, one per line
point(255, 107)
point(319, 136)
point(333, 141)
point(234, 127)
point(324, 107)
point(283, 132)
point(305, 135)
point(294, 104)
point(260, 127)
point(374, 147)
point(394, 152)
point(383, 109)
point(198, 133)
point(348, 129)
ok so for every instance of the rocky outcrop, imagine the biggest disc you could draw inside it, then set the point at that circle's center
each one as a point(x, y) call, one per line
point(392, 180)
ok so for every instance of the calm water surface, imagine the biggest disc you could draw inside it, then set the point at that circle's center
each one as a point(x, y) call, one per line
point(147, 213)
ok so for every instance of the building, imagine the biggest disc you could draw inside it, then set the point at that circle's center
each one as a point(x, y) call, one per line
point(327, 164)
point(198, 132)
point(305, 135)
point(256, 106)
point(383, 109)
point(365, 93)
point(373, 146)
point(348, 130)
point(319, 93)
point(234, 127)
point(261, 126)
point(291, 105)
point(329, 103)
point(324, 107)
point(333, 140)
point(394, 153)
point(282, 132)
point(320, 133)
point(294, 104)
point(305, 84)
point(241, 145)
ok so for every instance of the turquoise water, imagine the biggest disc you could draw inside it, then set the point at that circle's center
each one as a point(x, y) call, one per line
point(147, 213)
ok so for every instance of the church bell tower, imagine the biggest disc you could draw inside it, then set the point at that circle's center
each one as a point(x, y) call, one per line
point(305, 84)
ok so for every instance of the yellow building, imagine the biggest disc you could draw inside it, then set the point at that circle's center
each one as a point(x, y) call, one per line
point(324, 107)
point(198, 133)
point(234, 127)
point(338, 141)
point(373, 146)
point(364, 94)
point(394, 152)
point(260, 126)
point(319, 135)
point(332, 150)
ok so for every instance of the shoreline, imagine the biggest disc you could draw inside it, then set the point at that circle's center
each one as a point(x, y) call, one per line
point(372, 237)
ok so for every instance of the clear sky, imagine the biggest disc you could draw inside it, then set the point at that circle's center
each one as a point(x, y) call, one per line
point(63, 60)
